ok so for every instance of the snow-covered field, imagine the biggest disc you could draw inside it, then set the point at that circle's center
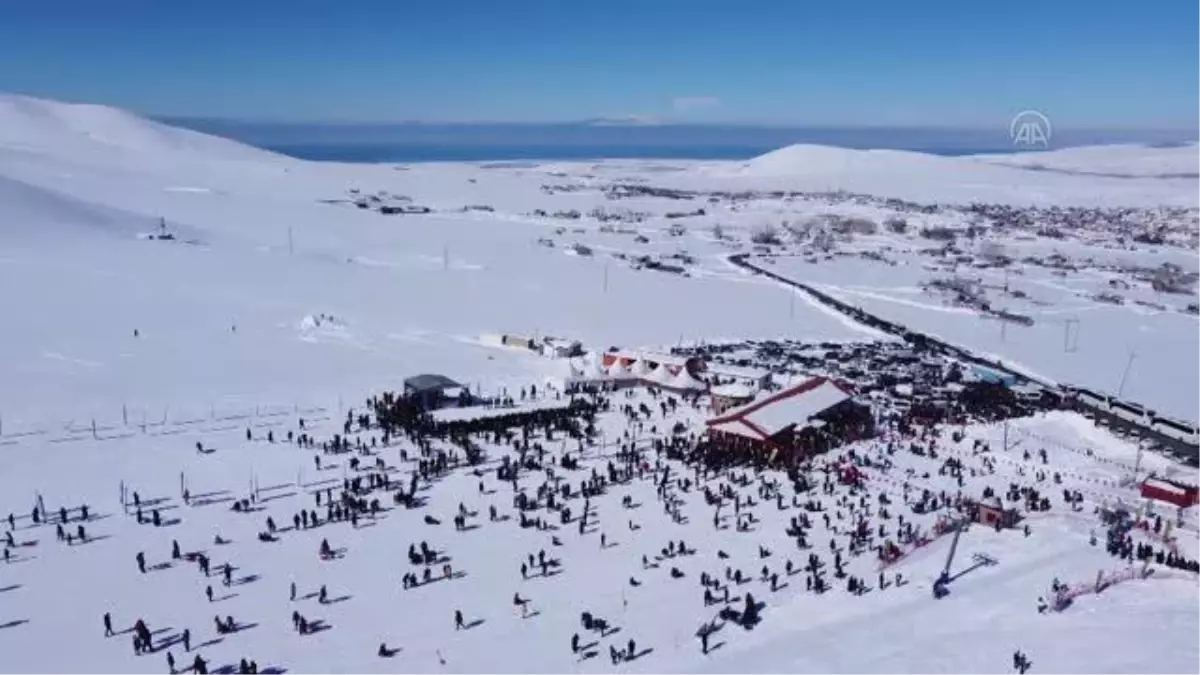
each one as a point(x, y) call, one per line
point(278, 299)
point(1074, 339)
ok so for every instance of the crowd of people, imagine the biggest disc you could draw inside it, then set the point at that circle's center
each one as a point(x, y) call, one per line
point(855, 510)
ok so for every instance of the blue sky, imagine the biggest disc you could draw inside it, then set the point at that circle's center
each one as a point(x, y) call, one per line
point(791, 62)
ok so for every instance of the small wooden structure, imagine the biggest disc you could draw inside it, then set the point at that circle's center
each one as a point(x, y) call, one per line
point(990, 511)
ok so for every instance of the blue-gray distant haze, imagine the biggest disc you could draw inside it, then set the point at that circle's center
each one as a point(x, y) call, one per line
point(416, 142)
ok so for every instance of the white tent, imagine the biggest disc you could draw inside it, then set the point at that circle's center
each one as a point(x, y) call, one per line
point(684, 380)
point(587, 368)
point(660, 376)
point(618, 371)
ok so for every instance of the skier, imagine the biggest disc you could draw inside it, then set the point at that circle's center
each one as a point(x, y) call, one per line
point(199, 666)
point(175, 553)
point(575, 643)
point(209, 593)
point(108, 631)
point(293, 591)
point(141, 562)
point(458, 620)
point(171, 663)
point(323, 595)
point(187, 640)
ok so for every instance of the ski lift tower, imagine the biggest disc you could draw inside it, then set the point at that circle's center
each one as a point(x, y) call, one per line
point(940, 589)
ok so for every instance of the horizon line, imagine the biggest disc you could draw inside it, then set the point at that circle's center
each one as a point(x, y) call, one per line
point(601, 122)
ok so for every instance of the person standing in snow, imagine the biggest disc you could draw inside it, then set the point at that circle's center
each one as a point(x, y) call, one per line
point(458, 620)
point(171, 663)
point(108, 631)
point(141, 562)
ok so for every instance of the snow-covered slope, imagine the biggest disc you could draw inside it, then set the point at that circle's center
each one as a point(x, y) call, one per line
point(34, 212)
point(28, 123)
point(999, 178)
point(281, 299)
point(802, 159)
point(1113, 160)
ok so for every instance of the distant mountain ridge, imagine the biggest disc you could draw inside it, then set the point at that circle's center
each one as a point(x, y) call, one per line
point(348, 141)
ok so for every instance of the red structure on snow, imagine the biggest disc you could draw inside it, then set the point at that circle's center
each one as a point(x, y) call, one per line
point(799, 421)
point(1169, 491)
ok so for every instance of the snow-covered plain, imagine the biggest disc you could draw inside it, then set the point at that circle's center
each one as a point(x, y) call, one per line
point(271, 303)
point(1074, 339)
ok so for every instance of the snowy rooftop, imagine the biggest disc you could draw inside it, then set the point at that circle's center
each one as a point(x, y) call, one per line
point(771, 413)
point(487, 411)
point(734, 390)
point(739, 372)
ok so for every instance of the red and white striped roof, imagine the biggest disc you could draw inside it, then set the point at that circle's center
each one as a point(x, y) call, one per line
point(763, 418)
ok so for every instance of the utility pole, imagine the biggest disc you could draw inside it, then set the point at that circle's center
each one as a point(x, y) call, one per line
point(1069, 345)
point(1128, 365)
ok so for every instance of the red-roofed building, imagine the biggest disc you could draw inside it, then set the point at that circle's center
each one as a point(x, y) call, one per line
point(800, 420)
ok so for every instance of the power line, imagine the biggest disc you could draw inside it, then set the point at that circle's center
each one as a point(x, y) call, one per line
point(1128, 365)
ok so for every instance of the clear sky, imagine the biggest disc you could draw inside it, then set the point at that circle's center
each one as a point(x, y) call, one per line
point(1095, 63)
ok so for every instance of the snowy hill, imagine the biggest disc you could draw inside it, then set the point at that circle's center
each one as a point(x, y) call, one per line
point(1113, 160)
point(34, 124)
point(808, 159)
point(226, 360)
point(30, 211)
point(1120, 177)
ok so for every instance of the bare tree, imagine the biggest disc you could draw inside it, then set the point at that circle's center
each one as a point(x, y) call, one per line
point(766, 234)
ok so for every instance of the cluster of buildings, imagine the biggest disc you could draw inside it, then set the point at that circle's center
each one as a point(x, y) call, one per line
point(751, 416)
point(782, 399)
